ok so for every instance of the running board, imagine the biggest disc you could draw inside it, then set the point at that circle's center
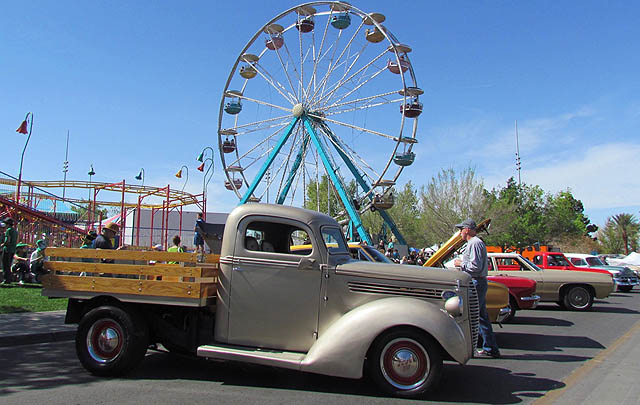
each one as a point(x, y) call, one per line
point(292, 360)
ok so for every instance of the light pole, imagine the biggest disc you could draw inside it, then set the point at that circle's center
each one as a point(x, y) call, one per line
point(179, 175)
point(89, 216)
point(140, 176)
point(205, 181)
point(22, 129)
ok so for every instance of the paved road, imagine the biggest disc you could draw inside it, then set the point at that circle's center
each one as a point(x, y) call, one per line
point(548, 349)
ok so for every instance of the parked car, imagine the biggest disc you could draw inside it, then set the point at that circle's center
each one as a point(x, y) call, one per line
point(522, 294)
point(556, 261)
point(624, 277)
point(575, 290)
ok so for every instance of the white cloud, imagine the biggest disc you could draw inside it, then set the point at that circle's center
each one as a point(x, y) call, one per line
point(605, 176)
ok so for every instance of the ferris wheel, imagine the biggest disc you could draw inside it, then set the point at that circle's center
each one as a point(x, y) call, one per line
point(323, 89)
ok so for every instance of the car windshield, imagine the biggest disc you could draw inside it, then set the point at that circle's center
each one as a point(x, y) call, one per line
point(533, 266)
point(557, 260)
point(594, 261)
point(377, 256)
point(334, 240)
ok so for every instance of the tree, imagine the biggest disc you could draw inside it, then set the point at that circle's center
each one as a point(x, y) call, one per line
point(627, 227)
point(448, 199)
point(609, 239)
point(406, 212)
point(317, 193)
point(519, 214)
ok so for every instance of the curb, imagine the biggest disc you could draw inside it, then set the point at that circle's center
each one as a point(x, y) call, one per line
point(34, 338)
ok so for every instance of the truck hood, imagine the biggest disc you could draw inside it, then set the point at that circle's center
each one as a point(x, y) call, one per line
point(400, 272)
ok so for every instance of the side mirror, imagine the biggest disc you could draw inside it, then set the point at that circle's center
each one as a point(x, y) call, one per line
point(308, 264)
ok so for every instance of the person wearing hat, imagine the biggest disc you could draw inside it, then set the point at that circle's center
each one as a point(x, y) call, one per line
point(474, 262)
point(87, 242)
point(8, 249)
point(36, 261)
point(105, 239)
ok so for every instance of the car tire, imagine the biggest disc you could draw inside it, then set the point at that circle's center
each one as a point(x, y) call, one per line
point(405, 363)
point(513, 307)
point(578, 298)
point(111, 341)
point(625, 288)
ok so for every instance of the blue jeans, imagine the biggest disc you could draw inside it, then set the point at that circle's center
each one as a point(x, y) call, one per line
point(486, 331)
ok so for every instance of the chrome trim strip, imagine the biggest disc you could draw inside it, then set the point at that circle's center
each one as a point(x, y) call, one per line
point(386, 289)
point(235, 260)
point(531, 298)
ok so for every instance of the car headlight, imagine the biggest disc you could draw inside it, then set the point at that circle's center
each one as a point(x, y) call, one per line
point(453, 303)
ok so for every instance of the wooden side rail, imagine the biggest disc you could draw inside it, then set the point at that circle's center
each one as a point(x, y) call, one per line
point(137, 276)
point(130, 255)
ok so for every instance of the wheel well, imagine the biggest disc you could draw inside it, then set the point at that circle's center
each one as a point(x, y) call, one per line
point(513, 300)
point(566, 287)
point(423, 332)
point(76, 308)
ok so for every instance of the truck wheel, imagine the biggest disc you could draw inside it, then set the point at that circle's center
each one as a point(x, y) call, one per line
point(513, 306)
point(625, 288)
point(405, 363)
point(578, 298)
point(110, 341)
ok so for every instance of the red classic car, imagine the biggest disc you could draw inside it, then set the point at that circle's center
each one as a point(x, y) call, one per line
point(521, 293)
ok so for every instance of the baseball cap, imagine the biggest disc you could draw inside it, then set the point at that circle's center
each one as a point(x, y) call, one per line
point(467, 223)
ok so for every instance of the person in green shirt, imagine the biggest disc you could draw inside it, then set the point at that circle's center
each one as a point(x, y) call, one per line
point(8, 249)
point(176, 247)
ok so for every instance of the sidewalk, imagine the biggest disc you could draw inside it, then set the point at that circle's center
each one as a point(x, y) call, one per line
point(34, 327)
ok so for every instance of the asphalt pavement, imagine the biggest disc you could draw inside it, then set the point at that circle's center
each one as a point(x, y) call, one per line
point(609, 376)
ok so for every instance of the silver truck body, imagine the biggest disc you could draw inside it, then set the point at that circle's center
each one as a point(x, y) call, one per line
point(322, 311)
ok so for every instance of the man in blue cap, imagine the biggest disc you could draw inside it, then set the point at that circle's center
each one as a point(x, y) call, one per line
point(474, 262)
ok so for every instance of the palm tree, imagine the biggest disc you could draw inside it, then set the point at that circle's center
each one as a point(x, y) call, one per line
point(628, 227)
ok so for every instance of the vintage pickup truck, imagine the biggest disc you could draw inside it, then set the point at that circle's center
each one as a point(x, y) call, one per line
point(260, 302)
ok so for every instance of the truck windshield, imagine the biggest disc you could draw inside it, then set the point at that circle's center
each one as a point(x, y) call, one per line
point(533, 266)
point(334, 240)
point(377, 256)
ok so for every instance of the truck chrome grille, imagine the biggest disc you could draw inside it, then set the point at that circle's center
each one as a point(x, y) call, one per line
point(386, 289)
point(474, 314)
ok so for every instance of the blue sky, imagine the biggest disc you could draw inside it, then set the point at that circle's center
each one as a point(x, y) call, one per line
point(138, 84)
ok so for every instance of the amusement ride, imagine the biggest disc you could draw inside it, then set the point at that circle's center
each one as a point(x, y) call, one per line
point(322, 89)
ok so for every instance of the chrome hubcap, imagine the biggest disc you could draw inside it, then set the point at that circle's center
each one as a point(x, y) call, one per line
point(579, 297)
point(104, 340)
point(405, 363)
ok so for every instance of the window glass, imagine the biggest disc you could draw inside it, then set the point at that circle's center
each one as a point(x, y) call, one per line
point(275, 237)
point(375, 253)
point(490, 266)
point(334, 240)
point(531, 265)
point(595, 261)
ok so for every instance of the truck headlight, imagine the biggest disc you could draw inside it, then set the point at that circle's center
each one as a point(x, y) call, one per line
point(453, 303)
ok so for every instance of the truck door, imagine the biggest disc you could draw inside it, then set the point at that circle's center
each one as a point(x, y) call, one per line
point(275, 288)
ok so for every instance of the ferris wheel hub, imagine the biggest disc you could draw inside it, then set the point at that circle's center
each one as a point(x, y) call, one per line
point(297, 110)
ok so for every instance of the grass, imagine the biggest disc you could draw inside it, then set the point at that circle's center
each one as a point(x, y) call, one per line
point(27, 298)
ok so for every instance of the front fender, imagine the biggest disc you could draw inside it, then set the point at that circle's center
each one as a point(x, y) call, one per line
point(341, 350)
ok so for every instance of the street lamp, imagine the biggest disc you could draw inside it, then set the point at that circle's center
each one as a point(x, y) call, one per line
point(140, 176)
point(179, 175)
point(22, 129)
point(201, 158)
point(91, 174)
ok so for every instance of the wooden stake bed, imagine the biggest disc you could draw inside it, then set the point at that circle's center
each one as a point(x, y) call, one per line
point(134, 276)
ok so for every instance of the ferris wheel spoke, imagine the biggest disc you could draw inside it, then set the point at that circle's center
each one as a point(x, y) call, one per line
point(282, 117)
point(363, 107)
point(340, 83)
point(333, 65)
point(256, 146)
point(286, 72)
point(356, 88)
point(253, 100)
point(348, 153)
point(316, 57)
point(370, 131)
point(279, 87)
point(359, 100)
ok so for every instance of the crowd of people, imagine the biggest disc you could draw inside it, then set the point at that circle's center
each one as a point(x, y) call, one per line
point(415, 256)
point(18, 264)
